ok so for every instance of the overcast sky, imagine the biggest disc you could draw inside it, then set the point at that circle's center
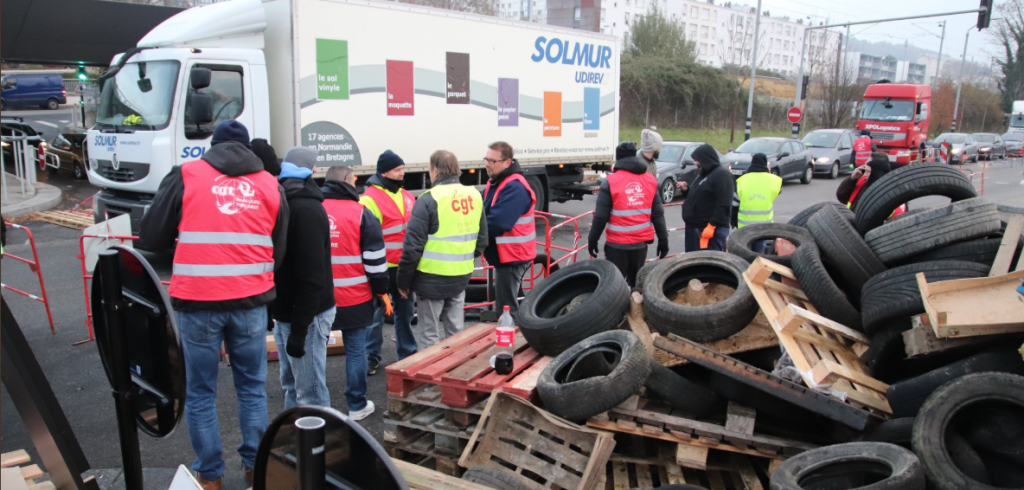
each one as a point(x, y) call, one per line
point(924, 33)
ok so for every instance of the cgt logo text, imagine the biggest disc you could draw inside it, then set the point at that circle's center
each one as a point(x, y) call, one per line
point(464, 205)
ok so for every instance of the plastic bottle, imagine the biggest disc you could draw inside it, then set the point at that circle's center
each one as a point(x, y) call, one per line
point(505, 341)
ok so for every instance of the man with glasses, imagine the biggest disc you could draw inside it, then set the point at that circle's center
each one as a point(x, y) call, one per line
point(512, 240)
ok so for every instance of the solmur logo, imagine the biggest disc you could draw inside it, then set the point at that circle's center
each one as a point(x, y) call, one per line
point(634, 193)
point(234, 196)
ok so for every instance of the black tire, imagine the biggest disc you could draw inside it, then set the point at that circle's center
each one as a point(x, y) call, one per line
point(80, 172)
point(679, 392)
point(808, 175)
point(937, 416)
point(675, 487)
point(962, 220)
point(579, 398)
point(495, 478)
point(52, 104)
point(865, 465)
point(900, 186)
point(641, 275)
point(907, 397)
point(699, 323)
point(551, 333)
point(1003, 473)
point(887, 352)
point(801, 218)
point(476, 291)
point(982, 251)
point(894, 294)
point(901, 432)
point(833, 171)
point(668, 190)
point(895, 431)
point(740, 241)
point(768, 405)
point(540, 190)
point(844, 249)
point(997, 430)
point(823, 292)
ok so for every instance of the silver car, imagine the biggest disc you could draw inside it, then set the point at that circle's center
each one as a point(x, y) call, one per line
point(990, 146)
point(675, 164)
point(962, 147)
point(832, 150)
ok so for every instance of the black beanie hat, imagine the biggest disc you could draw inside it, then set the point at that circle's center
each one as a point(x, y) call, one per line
point(388, 161)
point(758, 163)
point(230, 131)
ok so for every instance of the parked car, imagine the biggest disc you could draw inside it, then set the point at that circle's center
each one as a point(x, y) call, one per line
point(962, 147)
point(832, 150)
point(788, 158)
point(16, 126)
point(1014, 144)
point(990, 146)
point(675, 164)
point(71, 149)
point(32, 90)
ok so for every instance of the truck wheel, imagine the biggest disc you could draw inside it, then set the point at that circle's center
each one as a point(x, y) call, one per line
point(52, 104)
point(540, 190)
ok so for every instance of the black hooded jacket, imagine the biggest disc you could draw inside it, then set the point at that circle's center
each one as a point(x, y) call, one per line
point(878, 169)
point(603, 210)
point(159, 227)
point(305, 283)
point(709, 197)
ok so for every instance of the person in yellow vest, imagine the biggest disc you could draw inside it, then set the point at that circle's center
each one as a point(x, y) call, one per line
point(755, 194)
point(448, 230)
point(392, 206)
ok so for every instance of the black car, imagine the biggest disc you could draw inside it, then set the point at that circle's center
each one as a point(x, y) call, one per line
point(675, 164)
point(990, 146)
point(788, 158)
point(16, 126)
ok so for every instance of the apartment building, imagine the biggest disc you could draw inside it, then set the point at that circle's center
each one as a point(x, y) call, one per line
point(870, 68)
point(523, 10)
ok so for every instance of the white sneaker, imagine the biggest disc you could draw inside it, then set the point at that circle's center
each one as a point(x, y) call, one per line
point(362, 414)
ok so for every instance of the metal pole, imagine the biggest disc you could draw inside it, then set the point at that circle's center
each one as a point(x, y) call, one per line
point(938, 63)
point(960, 82)
point(109, 270)
point(909, 17)
point(310, 448)
point(753, 72)
point(800, 77)
point(3, 177)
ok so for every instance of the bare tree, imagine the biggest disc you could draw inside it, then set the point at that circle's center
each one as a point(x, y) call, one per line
point(736, 55)
point(836, 90)
point(1009, 33)
point(484, 7)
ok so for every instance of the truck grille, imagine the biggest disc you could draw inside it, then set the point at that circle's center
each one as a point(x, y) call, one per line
point(126, 171)
point(875, 135)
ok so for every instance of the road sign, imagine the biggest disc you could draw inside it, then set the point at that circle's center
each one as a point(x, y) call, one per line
point(795, 114)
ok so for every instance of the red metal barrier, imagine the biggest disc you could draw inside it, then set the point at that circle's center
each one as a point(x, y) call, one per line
point(34, 266)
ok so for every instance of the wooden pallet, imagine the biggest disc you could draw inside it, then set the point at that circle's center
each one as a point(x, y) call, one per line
point(67, 219)
point(420, 478)
point(825, 352)
point(730, 472)
point(920, 340)
point(18, 474)
point(422, 451)
point(542, 450)
point(461, 366)
point(974, 307)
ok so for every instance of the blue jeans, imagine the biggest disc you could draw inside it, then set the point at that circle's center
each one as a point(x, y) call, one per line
point(404, 310)
point(244, 333)
point(304, 379)
point(355, 367)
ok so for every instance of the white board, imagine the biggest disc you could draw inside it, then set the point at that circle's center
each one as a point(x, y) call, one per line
point(183, 480)
point(119, 226)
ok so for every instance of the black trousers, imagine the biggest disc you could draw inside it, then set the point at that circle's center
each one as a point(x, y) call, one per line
point(628, 262)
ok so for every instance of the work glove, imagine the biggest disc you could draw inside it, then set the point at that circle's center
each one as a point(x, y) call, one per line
point(662, 248)
point(295, 348)
point(388, 309)
point(706, 236)
point(592, 247)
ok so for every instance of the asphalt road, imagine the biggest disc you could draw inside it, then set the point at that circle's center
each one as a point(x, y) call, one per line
point(77, 378)
point(50, 123)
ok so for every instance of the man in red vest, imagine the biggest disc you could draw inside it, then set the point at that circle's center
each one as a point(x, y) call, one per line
point(392, 206)
point(509, 203)
point(360, 273)
point(629, 206)
point(231, 221)
point(862, 148)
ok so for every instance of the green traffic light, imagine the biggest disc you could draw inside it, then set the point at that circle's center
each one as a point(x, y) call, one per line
point(81, 74)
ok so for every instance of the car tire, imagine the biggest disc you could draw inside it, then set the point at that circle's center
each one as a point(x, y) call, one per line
point(668, 191)
point(843, 249)
point(906, 397)
point(495, 478)
point(900, 186)
point(775, 172)
point(679, 392)
point(699, 323)
point(938, 413)
point(894, 294)
point(577, 399)
point(540, 191)
point(476, 291)
point(822, 290)
point(981, 251)
point(800, 219)
point(874, 465)
point(833, 171)
point(808, 175)
point(900, 239)
point(80, 172)
point(740, 241)
point(52, 104)
point(999, 430)
point(549, 332)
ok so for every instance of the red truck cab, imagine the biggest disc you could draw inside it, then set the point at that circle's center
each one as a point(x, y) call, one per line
point(897, 116)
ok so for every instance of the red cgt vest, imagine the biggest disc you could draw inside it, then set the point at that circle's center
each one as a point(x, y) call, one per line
point(225, 246)
point(856, 190)
point(351, 287)
point(520, 243)
point(862, 150)
point(393, 221)
point(632, 200)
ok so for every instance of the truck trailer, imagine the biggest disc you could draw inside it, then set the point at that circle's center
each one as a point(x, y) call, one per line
point(351, 79)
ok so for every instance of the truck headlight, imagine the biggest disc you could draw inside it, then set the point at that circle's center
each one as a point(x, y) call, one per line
point(822, 159)
point(903, 153)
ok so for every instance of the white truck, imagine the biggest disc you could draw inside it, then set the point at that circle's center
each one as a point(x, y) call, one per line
point(1017, 117)
point(352, 78)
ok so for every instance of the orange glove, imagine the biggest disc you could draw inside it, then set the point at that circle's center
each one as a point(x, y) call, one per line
point(707, 235)
point(388, 309)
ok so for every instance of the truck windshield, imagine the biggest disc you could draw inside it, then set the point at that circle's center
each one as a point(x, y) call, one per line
point(821, 139)
point(140, 96)
point(767, 147)
point(897, 110)
point(1017, 121)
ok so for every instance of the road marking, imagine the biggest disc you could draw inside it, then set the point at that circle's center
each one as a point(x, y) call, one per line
point(50, 124)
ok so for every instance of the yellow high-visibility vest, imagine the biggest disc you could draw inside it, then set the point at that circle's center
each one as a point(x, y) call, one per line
point(449, 252)
point(757, 192)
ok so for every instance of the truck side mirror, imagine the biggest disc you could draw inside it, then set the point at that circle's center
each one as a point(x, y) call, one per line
point(201, 109)
point(923, 115)
point(200, 77)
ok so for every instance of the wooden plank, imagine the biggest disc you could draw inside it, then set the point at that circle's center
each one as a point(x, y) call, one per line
point(520, 363)
point(920, 340)
point(775, 268)
point(707, 428)
point(692, 456)
point(420, 478)
point(456, 358)
point(31, 472)
point(620, 476)
point(822, 322)
point(1008, 247)
point(675, 475)
point(746, 472)
point(785, 290)
point(643, 476)
point(680, 438)
point(827, 370)
point(635, 319)
point(480, 365)
point(14, 458)
point(715, 481)
point(12, 480)
point(972, 307)
point(525, 385)
point(46, 485)
point(740, 419)
point(428, 356)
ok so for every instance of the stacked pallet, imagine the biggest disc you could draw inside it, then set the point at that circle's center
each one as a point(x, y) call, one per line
point(18, 474)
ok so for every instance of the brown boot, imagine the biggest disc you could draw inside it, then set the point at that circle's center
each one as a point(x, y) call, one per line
point(208, 485)
point(248, 475)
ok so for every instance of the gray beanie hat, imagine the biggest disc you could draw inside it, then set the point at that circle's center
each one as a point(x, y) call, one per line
point(650, 141)
point(301, 157)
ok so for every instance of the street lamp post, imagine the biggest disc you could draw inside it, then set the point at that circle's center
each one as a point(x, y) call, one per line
point(960, 82)
point(753, 72)
point(938, 63)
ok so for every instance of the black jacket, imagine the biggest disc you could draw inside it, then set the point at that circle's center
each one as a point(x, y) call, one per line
point(159, 227)
point(371, 242)
point(424, 222)
point(305, 284)
point(709, 198)
point(603, 211)
point(502, 215)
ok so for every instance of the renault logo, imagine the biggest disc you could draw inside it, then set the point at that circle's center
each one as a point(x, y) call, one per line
point(114, 163)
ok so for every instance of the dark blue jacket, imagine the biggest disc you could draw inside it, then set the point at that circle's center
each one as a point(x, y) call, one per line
point(503, 214)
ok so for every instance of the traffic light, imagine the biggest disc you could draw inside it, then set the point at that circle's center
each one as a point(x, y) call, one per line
point(985, 16)
point(82, 75)
point(806, 84)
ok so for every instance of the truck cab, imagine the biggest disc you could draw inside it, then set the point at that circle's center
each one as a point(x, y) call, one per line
point(897, 117)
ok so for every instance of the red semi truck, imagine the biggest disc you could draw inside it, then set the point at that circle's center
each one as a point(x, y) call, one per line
point(897, 116)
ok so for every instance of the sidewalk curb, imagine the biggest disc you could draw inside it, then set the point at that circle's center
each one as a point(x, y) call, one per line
point(47, 197)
